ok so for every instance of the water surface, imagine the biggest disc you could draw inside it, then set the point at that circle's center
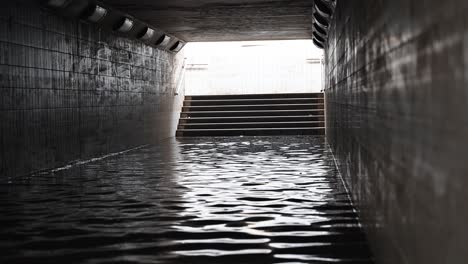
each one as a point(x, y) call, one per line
point(206, 200)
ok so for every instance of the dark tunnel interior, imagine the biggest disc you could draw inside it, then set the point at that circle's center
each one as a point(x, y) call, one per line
point(102, 159)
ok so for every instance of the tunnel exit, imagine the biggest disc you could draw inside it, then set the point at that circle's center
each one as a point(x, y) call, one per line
point(253, 67)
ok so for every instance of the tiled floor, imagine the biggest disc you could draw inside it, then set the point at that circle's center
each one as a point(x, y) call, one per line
point(206, 200)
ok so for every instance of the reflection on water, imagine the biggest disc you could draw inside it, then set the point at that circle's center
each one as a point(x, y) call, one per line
point(206, 200)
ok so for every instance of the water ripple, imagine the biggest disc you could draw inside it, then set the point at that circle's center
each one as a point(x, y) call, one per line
point(206, 200)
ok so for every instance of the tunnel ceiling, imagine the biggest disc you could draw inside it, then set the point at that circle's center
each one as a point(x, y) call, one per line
point(217, 20)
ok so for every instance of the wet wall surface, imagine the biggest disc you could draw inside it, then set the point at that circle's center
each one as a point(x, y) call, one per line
point(204, 200)
point(69, 91)
point(396, 99)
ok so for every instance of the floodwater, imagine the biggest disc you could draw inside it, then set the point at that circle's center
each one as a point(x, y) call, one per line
point(205, 200)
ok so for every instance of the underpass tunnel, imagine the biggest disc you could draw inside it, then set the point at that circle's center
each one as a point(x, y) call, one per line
point(91, 101)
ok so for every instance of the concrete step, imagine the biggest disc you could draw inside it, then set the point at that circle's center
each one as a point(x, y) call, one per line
point(252, 115)
point(253, 101)
point(251, 125)
point(253, 96)
point(252, 107)
point(250, 132)
point(249, 119)
point(304, 112)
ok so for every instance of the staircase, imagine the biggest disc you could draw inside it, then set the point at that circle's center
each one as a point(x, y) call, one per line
point(252, 115)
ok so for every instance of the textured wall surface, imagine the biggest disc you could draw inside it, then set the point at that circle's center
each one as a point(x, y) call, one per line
point(396, 94)
point(225, 20)
point(69, 91)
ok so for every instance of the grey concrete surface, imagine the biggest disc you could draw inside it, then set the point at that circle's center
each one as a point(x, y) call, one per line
point(396, 93)
point(222, 20)
point(252, 115)
point(69, 91)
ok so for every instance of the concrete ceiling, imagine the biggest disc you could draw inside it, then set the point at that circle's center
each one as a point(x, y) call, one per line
point(224, 20)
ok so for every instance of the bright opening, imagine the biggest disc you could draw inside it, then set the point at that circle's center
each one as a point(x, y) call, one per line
point(253, 67)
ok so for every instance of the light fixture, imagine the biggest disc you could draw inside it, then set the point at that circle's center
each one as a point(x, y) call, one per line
point(146, 34)
point(124, 26)
point(318, 37)
point(163, 41)
point(108, 18)
point(318, 44)
point(177, 46)
point(98, 14)
point(320, 30)
point(322, 21)
point(323, 8)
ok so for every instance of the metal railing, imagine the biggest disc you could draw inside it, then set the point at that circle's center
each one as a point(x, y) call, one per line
point(181, 77)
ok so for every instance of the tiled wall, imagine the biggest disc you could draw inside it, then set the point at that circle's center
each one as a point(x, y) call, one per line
point(397, 97)
point(69, 91)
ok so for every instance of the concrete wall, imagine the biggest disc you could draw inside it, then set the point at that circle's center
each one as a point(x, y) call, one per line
point(69, 91)
point(397, 94)
point(224, 20)
point(253, 67)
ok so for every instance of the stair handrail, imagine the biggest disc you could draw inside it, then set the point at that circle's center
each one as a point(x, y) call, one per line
point(181, 77)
